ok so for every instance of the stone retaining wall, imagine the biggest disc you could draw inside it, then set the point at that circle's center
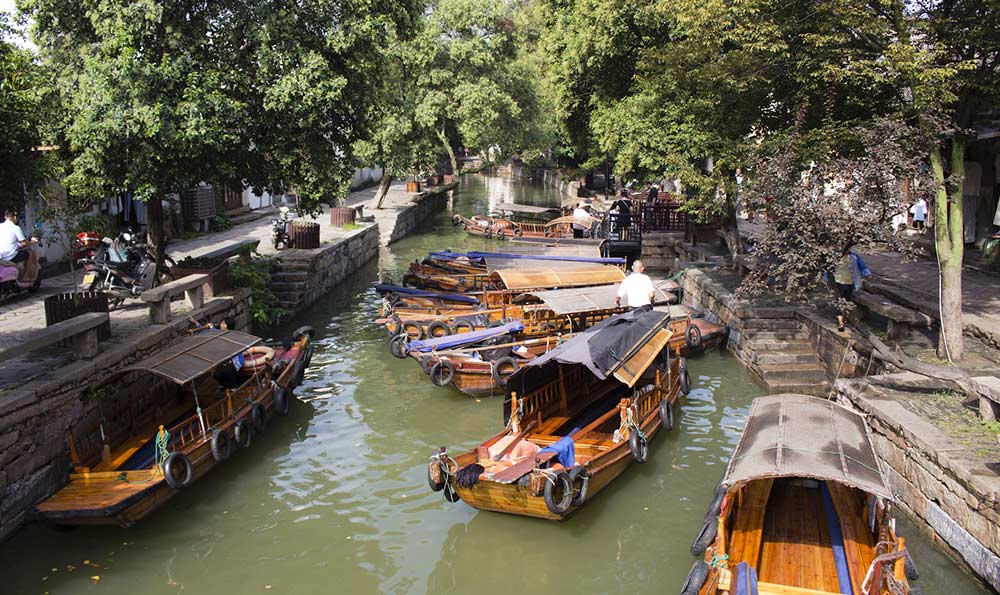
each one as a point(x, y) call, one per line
point(429, 203)
point(571, 189)
point(948, 491)
point(304, 276)
point(34, 456)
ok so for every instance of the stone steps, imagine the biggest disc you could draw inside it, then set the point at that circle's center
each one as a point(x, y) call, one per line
point(800, 372)
point(755, 335)
point(658, 263)
point(796, 356)
point(772, 324)
point(792, 385)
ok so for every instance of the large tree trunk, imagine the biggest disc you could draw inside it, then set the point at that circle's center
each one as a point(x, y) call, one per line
point(154, 216)
point(451, 152)
point(383, 187)
point(949, 242)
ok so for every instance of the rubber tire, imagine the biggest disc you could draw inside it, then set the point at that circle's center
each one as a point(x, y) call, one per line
point(439, 324)
point(451, 496)
point(37, 284)
point(910, 567)
point(463, 324)
point(180, 459)
point(303, 330)
point(666, 415)
point(517, 232)
point(258, 416)
point(298, 373)
point(685, 378)
point(705, 537)
point(395, 327)
point(243, 429)
point(456, 220)
point(426, 365)
point(222, 446)
point(501, 235)
point(567, 500)
point(696, 578)
point(310, 351)
point(449, 373)
point(692, 337)
point(435, 487)
point(397, 346)
point(506, 360)
point(488, 233)
point(579, 497)
point(716, 506)
point(420, 331)
point(281, 401)
point(639, 449)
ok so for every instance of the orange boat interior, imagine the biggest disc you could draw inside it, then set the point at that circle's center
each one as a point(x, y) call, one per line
point(783, 528)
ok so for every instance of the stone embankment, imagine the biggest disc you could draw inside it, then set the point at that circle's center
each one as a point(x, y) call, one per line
point(943, 474)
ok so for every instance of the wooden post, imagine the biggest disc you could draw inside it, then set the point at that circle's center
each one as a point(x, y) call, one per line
point(516, 423)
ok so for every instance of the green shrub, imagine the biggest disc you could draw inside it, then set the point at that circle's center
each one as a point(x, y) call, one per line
point(256, 275)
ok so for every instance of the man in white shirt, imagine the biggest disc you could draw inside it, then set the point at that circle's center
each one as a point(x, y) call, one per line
point(919, 211)
point(12, 239)
point(637, 288)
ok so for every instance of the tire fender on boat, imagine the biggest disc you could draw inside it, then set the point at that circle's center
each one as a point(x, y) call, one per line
point(910, 567)
point(222, 446)
point(463, 324)
point(501, 234)
point(696, 578)
point(505, 361)
point(298, 373)
point(303, 330)
point(186, 469)
point(639, 446)
point(425, 364)
point(439, 325)
point(666, 414)
point(259, 417)
point(685, 377)
point(442, 373)
point(244, 433)
point(579, 474)
point(563, 482)
point(450, 494)
point(456, 220)
point(705, 537)
point(715, 508)
point(395, 327)
point(414, 330)
point(692, 336)
point(397, 347)
point(435, 476)
point(281, 400)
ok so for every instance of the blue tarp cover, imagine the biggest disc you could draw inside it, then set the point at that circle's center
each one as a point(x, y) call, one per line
point(565, 450)
point(451, 297)
point(484, 255)
point(461, 339)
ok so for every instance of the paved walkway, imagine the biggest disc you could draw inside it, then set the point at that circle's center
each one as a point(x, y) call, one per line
point(916, 283)
point(26, 313)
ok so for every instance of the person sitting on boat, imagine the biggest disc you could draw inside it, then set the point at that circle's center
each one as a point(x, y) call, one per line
point(581, 218)
point(637, 288)
point(206, 325)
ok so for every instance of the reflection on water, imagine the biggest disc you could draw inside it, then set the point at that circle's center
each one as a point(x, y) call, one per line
point(334, 498)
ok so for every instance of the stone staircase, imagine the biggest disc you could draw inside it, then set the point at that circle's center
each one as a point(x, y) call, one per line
point(658, 252)
point(289, 281)
point(779, 351)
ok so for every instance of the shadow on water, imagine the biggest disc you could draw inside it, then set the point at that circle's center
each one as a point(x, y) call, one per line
point(333, 498)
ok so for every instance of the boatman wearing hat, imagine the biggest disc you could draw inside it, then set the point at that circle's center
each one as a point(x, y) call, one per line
point(637, 288)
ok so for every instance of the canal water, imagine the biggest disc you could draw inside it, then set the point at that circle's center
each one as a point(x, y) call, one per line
point(334, 499)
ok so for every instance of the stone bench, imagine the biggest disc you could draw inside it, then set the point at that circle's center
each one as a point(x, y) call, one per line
point(900, 317)
point(80, 330)
point(232, 249)
point(988, 388)
point(159, 298)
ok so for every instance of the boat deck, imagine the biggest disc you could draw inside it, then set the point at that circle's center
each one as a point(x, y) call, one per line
point(97, 494)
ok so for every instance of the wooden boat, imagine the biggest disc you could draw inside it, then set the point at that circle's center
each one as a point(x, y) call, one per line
point(192, 411)
point(527, 213)
point(596, 410)
point(703, 335)
point(803, 509)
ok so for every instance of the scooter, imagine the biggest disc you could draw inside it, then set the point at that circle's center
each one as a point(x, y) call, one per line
point(279, 230)
point(11, 282)
point(123, 269)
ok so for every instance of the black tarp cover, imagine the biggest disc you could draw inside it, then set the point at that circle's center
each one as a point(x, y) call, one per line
point(600, 349)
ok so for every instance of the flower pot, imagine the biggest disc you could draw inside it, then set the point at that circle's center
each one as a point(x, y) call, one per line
point(341, 216)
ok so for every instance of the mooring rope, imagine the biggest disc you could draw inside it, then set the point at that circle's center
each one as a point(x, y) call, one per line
point(161, 453)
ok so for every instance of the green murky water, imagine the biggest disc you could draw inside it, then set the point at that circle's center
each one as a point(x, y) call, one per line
point(333, 498)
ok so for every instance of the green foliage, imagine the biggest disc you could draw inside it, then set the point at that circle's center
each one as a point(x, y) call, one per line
point(256, 274)
point(220, 223)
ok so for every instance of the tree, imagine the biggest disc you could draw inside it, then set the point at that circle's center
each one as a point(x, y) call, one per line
point(23, 103)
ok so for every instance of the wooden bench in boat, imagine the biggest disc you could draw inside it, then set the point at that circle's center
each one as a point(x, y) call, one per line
point(900, 318)
point(80, 330)
point(159, 298)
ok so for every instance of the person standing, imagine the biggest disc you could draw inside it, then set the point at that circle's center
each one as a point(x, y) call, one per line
point(637, 288)
point(848, 274)
point(654, 192)
point(919, 212)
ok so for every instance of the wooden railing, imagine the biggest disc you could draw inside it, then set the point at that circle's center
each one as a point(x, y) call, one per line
point(663, 217)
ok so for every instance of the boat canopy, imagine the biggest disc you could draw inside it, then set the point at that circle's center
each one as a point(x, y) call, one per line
point(463, 339)
point(529, 209)
point(549, 276)
point(791, 435)
point(193, 357)
point(448, 297)
point(622, 347)
point(568, 219)
point(487, 257)
point(579, 299)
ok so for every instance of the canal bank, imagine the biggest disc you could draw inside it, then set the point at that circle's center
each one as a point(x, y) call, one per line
point(338, 488)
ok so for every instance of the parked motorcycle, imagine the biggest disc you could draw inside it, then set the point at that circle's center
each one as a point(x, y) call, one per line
point(123, 268)
point(279, 230)
point(10, 275)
